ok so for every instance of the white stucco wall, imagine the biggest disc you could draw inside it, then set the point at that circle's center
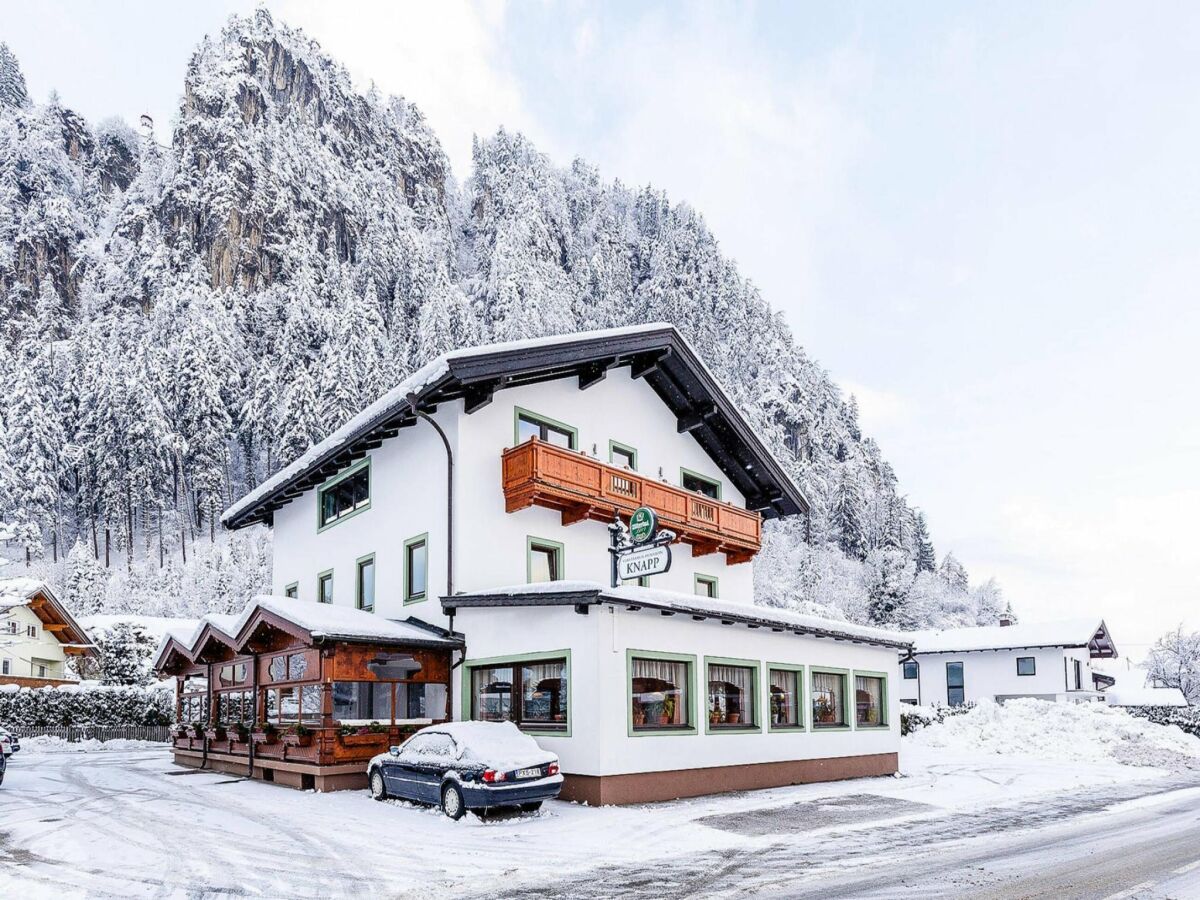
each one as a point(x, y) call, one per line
point(408, 485)
point(600, 743)
point(23, 652)
point(993, 673)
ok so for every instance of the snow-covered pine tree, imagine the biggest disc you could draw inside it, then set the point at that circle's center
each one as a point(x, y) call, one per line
point(953, 574)
point(13, 92)
point(126, 652)
point(926, 558)
point(86, 581)
point(299, 424)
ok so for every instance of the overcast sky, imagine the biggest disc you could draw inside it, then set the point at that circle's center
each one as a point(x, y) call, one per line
point(983, 219)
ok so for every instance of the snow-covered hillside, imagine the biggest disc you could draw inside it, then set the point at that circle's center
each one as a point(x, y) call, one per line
point(177, 322)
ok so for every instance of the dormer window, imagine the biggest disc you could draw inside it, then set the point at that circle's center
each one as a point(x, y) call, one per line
point(622, 455)
point(691, 481)
point(346, 494)
point(532, 425)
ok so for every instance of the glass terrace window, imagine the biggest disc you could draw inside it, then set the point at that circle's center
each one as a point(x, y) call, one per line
point(955, 695)
point(911, 670)
point(544, 561)
point(731, 696)
point(869, 701)
point(349, 494)
point(532, 694)
point(700, 485)
point(1026, 665)
point(416, 569)
point(828, 700)
point(365, 588)
point(785, 698)
point(532, 425)
point(659, 694)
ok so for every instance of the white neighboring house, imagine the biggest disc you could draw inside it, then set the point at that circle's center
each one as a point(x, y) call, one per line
point(37, 634)
point(675, 687)
point(1045, 660)
point(1132, 686)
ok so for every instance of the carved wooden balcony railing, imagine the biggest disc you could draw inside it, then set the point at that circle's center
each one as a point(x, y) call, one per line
point(540, 474)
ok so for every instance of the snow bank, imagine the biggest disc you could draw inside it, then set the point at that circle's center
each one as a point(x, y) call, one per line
point(44, 743)
point(1084, 732)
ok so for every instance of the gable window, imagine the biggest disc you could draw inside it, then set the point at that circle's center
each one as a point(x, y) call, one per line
point(31, 631)
point(345, 495)
point(543, 561)
point(1026, 665)
point(829, 700)
point(532, 425)
point(870, 701)
point(705, 586)
point(292, 590)
point(911, 670)
point(532, 693)
point(365, 584)
point(622, 455)
point(732, 695)
point(786, 686)
point(325, 587)
point(955, 694)
point(416, 568)
point(700, 484)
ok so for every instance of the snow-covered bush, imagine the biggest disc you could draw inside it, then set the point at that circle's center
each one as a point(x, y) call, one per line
point(914, 718)
point(1186, 717)
point(86, 705)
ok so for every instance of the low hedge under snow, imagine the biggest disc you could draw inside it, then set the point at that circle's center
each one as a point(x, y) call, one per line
point(86, 704)
point(1087, 732)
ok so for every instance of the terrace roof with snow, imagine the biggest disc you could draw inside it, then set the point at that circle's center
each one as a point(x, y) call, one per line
point(583, 594)
point(55, 618)
point(1090, 633)
point(315, 623)
point(656, 352)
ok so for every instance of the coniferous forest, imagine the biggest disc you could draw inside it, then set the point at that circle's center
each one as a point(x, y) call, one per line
point(177, 322)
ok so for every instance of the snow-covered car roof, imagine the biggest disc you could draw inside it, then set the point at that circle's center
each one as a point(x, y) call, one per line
point(660, 353)
point(1090, 633)
point(500, 745)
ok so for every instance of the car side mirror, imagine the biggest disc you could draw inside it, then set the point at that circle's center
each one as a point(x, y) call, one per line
point(395, 751)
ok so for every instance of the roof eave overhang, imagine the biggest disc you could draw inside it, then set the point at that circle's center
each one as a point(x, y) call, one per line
point(659, 355)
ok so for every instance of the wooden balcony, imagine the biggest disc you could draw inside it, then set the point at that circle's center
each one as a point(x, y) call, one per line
point(541, 474)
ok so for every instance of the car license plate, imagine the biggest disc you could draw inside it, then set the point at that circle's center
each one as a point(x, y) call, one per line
point(529, 773)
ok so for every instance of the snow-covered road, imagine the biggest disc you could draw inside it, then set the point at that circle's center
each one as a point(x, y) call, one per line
point(127, 823)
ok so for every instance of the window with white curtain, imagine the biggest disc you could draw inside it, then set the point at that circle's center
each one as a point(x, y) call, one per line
point(868, 701)
point(659, 693)
point(785, 698)
point(533, 694)
point(730, 696)
point(828, 700)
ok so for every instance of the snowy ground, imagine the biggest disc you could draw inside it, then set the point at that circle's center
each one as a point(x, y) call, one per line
point(127, 823)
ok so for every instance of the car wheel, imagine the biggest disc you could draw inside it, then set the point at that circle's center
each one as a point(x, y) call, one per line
point(531, 807)
point(378, 790)
point(453, 804)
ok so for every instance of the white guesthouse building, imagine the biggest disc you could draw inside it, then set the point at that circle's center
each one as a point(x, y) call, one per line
point(1045, 660)
point(477, 496)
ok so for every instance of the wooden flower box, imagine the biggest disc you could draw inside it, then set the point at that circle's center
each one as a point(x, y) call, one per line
point(298, 740)
point(265, 737)
point(370, 739)
point(215, 734)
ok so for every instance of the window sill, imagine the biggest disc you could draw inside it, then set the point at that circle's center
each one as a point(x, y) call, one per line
point(419, 598)
point(659, 731)
point(883, 727)
point(817, 729)
point(798, 728)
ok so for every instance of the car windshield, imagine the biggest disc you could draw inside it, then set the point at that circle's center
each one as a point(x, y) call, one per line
point(430, 746)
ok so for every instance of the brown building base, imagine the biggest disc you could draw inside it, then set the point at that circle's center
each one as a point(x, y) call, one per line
point(649, 787)
point(351, 776)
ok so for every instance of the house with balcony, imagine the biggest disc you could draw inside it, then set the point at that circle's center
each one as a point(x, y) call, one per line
point(1057, 661)
point(37, 635)
point(475, 504)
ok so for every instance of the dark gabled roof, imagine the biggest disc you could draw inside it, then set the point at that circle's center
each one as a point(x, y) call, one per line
point(581, 594)
point(656, 352)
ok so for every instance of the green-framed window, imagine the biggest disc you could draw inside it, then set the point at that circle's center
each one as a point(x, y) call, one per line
point(830, 693)
point(527, 424)
point(344, 495)
point(364, 582)
point(706, 586)
point(532, 690)
point(785, 697)
point(660, 692)
point(545, 560)
point(325, 586)
point(622, 455)
point(870, 699)
point(700, 484)
point(416, 568)
point(292, 590)
point(733, 701)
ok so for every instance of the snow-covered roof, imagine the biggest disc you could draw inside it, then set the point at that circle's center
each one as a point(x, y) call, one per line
point(322, 621)
point(32, 592)
point(1117, 695)
point(590, 592)
point(19, 591)
point(1090, 633)
point(155, 626)
point(478, 371)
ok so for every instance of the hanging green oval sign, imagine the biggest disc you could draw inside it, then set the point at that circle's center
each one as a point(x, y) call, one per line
point(643, 525)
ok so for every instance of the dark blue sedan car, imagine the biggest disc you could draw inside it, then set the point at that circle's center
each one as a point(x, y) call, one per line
point(467, 765)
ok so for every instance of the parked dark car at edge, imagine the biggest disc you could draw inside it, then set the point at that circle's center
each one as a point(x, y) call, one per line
point(3, 766)
point(467, 765)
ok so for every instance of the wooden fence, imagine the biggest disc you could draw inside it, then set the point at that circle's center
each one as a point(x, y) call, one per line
point(76, 733)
